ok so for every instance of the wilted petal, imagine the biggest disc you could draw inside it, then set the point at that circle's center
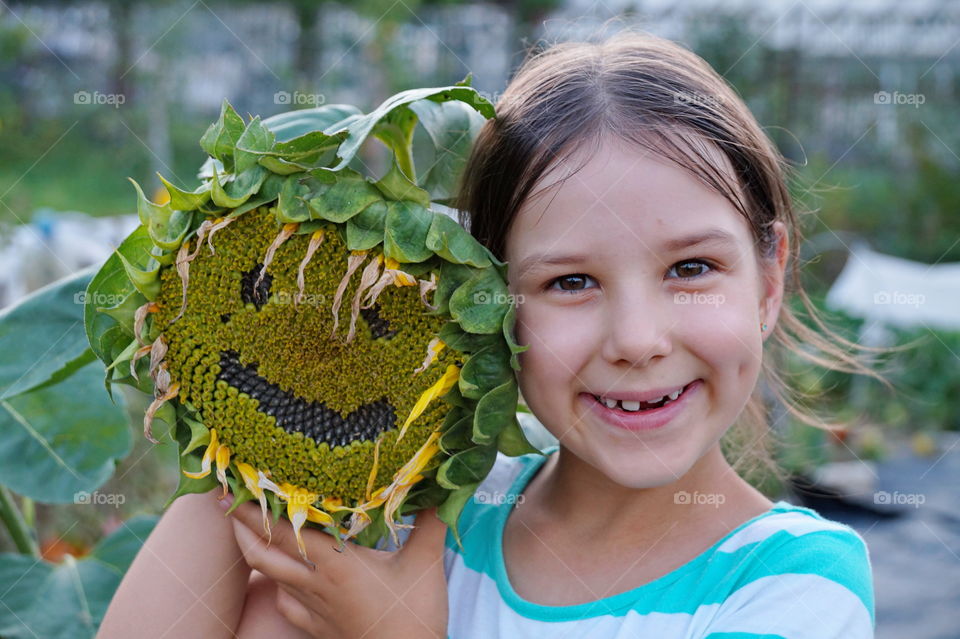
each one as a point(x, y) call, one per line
point(433, 350)
point(208, 456)
point(315, 240)
point(353, 263)
point(439, 388)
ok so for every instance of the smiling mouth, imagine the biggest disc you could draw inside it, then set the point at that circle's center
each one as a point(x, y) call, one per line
point(297, 415)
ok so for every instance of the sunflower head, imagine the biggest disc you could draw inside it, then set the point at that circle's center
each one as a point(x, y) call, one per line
point(320, 341)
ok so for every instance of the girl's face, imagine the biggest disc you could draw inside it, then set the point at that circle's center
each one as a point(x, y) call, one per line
point(635, 309)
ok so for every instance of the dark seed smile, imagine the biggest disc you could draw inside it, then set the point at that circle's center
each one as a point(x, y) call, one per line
point(297, 415)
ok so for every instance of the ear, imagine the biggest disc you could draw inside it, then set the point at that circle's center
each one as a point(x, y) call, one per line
point(772, 278)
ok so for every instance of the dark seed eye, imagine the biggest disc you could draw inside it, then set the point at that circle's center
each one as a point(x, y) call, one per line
point(257, 296)
point(379, 327)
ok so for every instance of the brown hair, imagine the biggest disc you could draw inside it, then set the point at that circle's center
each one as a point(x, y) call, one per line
point(662, 97)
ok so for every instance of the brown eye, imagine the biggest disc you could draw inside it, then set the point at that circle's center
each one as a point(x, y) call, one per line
point(570, 283)
point(690, 269)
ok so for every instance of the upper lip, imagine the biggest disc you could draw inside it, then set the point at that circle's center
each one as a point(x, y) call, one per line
point(641, 396)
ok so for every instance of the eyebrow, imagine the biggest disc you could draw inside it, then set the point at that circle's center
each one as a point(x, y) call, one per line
point(714, 236)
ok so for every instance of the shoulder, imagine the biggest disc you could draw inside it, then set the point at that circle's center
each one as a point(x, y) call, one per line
point(803, 574)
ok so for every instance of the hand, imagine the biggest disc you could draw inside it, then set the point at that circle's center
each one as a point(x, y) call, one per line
point(359, 592)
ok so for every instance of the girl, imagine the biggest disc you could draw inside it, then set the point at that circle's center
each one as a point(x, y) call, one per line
point(648, 230)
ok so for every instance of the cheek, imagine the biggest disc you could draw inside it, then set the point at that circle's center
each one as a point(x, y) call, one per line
point(726, 335)
point(558, 345)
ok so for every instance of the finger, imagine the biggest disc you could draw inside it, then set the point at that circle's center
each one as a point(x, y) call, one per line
point(295, 612)
point(427, 538)
point(251, 517)
point(271, 561)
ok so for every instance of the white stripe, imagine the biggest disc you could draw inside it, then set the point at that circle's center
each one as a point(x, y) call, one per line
point(795, 606)
point(791, 605)
point(794, 523)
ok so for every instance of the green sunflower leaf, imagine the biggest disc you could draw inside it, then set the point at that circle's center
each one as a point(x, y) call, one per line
point(221, 137)
point(449, 511)
point(494, 411)
point(395, 185)
point(513, 442)
point(452, 127)
point(406, 232)
point(255, 140)
point(451, 241)
point(350, 194)
point(480, 303)
point(484, 371)
point(181, 200)
point(366, 229)
point(467, 467)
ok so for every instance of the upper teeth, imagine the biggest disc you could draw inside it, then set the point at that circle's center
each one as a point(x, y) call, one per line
point(632, 405)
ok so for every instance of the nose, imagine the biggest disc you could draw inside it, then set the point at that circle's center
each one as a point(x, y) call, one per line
point(638, 330)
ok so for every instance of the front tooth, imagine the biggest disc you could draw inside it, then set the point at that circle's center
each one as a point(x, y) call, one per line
point(629, 405)
point(674, 395)
point(610, 403)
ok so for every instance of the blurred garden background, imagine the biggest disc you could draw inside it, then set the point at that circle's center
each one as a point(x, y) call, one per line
point(861, 97)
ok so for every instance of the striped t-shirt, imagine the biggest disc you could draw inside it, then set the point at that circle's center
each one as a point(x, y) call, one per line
point(787, 573)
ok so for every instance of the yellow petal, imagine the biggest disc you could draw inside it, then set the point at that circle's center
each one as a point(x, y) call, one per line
point(251, 481)
point(433, 349)
point(208, 456)
point(223, 461)
point(440, 388)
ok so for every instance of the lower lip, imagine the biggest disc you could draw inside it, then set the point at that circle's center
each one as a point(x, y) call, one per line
point(642, 420)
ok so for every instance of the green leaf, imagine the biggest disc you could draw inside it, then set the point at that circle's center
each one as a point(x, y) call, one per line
point(290, 204)
point(452, 126)
point(467, 467)
point(509, 327)
point(406, 231)
point(66, 600)
point(494, 411)
point(61, 439)
point(221, 137)
point(458, 436)
point(459, 340)
point(513, 442)
point(166, 226)
point(146, 280)
point(451, 277)
point(480, 303)
point(395, 185)
point(484, 371)
point(453, 243)
point(449, 511)
point(350, 194)
point(366, 229)
point(111, 283)
point(186, 200)
point(42, 337)
point(359, 128)
point(256, 139)
point(295, 124)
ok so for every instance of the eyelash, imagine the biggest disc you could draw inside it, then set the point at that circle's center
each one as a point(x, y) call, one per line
point(710, 266)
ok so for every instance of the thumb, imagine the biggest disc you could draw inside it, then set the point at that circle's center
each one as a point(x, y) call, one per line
point(428, 534)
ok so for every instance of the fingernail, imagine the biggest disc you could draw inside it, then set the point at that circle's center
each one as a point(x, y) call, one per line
point(226, 502)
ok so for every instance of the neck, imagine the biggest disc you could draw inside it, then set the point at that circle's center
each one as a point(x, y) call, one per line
point(593, 507)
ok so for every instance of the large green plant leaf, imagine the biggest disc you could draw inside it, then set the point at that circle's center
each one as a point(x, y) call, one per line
point(452, 127)
point(359, 128)
point(66, 600)
point(62, 439)
point(42, 337)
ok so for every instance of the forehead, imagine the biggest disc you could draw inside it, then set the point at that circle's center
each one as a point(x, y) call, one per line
point(624, 196)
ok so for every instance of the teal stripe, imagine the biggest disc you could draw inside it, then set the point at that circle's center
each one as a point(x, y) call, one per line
point(741, 635)
point(707, 579)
